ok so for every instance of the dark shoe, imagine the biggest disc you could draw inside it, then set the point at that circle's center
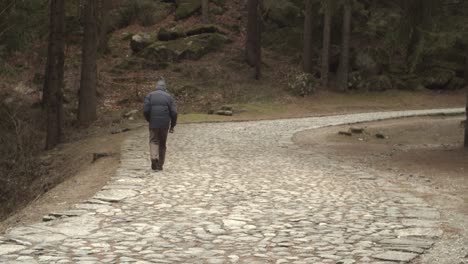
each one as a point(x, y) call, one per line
point(160, 167)
point(155, 164)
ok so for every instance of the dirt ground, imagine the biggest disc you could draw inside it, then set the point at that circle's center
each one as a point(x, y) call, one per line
point(73, 176)
point(427, 157)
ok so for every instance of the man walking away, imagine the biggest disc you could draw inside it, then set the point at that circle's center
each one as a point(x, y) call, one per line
point(161, 113)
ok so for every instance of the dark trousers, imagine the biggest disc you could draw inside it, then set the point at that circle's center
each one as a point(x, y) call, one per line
point(158, 138)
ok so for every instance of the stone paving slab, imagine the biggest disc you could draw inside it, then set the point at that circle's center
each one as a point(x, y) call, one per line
point(237, 193)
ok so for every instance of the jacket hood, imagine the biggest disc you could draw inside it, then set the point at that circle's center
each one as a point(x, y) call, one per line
point(161, 84)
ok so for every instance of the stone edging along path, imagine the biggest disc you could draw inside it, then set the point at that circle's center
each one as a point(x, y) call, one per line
point(236, 193)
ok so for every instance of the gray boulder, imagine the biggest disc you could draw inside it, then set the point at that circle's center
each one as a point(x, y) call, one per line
point(186, 8)
point(283, 13)
point(189, 48)
point(141, 40)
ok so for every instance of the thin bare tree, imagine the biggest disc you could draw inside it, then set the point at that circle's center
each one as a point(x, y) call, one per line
point(53, 83)
point(343, 68)
point(307, 50)
point(327, 16)
point(87, 94)
point(466, 108)
point(253, 41)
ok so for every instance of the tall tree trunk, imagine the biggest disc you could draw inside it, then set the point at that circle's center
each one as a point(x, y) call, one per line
point(466, 85)
point(307, 55)
point(87, 101)
point(53, 84)
point(326, 43)
point(103, 41)
point(258, 43)
point(252, 32)
point(205, 11)
point(343, 68)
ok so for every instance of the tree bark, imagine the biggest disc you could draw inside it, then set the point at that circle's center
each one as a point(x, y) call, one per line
point(87, 95)
point(258, 43)
point(53, 84)
point(466, 108)
point(343, 68)
point(326, 43)
point(252, 32)
point(205, 11)
point(307, 55)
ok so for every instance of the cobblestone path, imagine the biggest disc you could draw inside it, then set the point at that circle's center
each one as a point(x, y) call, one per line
point(236, 193)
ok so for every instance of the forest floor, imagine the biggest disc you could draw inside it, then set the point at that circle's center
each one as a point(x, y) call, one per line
point(425, 157)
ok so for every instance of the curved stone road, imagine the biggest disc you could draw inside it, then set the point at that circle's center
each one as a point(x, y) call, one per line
point(236, 193)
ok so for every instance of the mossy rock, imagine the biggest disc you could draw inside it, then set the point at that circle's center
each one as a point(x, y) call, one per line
point(197, 46)
point(186, 8)
point(283, 13)
point(164, 9)
point(410, 82)
point(202, 29)
point(127, 36)
point(379, 83)
point(141, 40)
point(191, 48)
point(457, 66)
point(372, 83)
point(437, 78)
point(456, 83)
point(170, 34)
point(173, 34)
point(159, 52)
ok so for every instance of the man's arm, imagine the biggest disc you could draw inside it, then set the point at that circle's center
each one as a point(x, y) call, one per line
point(147, 108)
point(173, 112)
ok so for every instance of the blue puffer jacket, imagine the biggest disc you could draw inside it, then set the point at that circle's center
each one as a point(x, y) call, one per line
point(160, 109)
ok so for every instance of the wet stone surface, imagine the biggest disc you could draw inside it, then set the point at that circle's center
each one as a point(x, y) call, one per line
point(236, 193)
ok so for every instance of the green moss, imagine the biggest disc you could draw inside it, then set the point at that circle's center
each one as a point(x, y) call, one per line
point(437, 78)
point(186, 8)
point(170, 34)
point(197, 46)
point(283, 13)
point(201, 29)
point(193, 48)
point(141, 40)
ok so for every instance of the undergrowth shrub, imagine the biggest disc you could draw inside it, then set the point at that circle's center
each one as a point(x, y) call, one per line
point(20, 143)
point(301, 83)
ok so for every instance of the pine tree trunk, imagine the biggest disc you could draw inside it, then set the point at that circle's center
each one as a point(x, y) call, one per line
point(326, 44)
point(307, 55)
point(466, 120)
point(87, 101)
point(205, 11)
point(53, 83)
point(343, 68)
point(466, 85)
point(258, 43)
point(252, 32)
